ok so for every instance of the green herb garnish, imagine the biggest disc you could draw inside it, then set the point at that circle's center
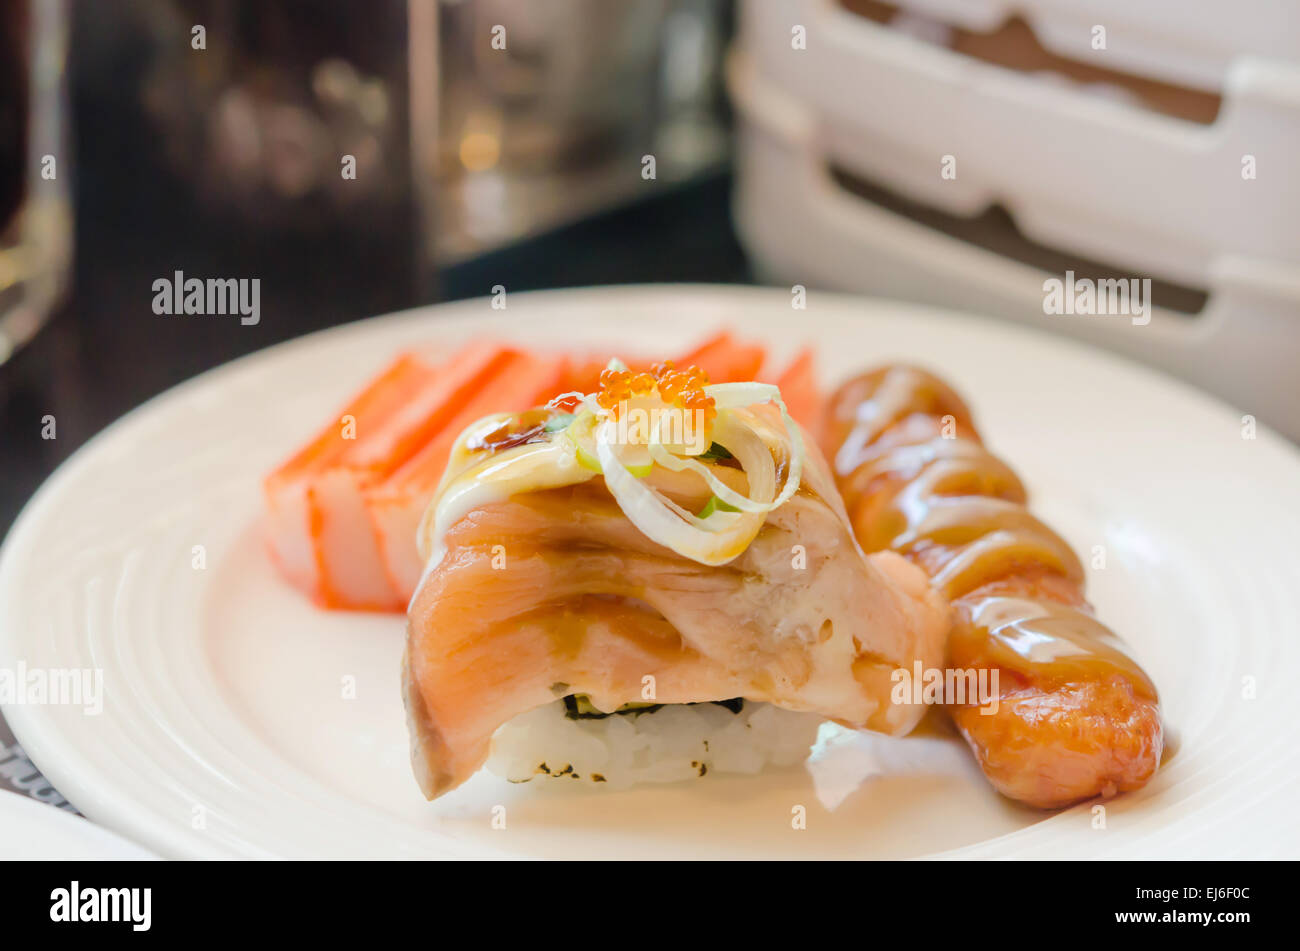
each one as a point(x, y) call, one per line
point(559, 421)
point(715, 453)
point(579, 707)
point(715, 504)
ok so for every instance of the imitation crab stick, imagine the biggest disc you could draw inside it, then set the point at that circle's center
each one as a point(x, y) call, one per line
point(396, 504)
point(725, 359)
point(350, 563)
point(803, 396)
point(321, 531)
point(722, 356)
point(582, 373)
point(291, 537)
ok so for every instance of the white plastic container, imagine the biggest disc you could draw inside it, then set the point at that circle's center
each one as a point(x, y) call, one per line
point(1151, 195)
point(1104, 178)
point(1182, 41)
point(801, 226)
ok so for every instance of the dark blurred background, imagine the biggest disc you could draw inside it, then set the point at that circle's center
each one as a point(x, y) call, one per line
point(365, 156)
point(225, 162)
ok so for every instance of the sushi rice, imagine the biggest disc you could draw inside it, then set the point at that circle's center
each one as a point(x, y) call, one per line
point(662, 744)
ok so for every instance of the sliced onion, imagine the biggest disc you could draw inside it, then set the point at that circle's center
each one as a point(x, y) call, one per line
point(729, 396)
point(580, 433)
point(661, 520)
point(722, 535)
point(748, 449)
point(737, 395)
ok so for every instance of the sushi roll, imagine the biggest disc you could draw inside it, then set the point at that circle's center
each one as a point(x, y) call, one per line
point(649, 582)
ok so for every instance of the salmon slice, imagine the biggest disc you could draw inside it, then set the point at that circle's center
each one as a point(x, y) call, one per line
point(553, 592)
point(292, 534)
point(396, 504)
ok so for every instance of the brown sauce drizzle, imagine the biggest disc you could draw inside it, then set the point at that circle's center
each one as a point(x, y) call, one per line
point(515, 430)
point(1033, 636)
point(951, 506)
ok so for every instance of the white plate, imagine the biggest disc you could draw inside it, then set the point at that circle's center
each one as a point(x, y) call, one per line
point(225, 732)
point(30, 830)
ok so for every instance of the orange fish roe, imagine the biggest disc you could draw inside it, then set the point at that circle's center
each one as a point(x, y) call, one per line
point(682, 388)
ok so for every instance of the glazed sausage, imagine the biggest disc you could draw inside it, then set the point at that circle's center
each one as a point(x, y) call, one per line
point(1076, 717)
